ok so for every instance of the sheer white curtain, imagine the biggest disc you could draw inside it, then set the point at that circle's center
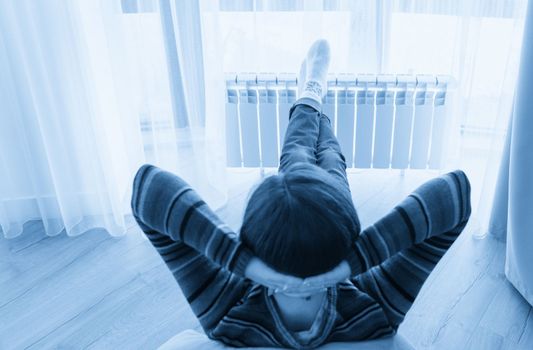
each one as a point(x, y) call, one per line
point(511, 218)
point(91, 90)
point(477, 42)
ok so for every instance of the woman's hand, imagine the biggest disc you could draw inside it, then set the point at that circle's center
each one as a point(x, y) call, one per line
point(330, 278)
point(260, 273)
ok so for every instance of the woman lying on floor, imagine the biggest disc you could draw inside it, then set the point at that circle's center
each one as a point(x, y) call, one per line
point(301, 273)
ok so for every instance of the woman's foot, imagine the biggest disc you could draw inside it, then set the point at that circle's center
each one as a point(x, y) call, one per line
point(312, 82)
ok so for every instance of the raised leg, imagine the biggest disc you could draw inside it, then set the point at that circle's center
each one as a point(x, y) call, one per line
point(302, 134)
point(329, 155)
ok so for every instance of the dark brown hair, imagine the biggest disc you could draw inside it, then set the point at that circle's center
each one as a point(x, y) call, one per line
point(300, 222)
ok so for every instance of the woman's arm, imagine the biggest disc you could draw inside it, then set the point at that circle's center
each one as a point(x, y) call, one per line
point(204, 255)
point(429, 218)
point(196, 246)
point(163, 202)
point(439, 206)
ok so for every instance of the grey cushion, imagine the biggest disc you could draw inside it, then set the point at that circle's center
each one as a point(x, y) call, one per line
point(190, 339)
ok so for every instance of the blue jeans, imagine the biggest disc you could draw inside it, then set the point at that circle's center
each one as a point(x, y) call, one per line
point(309, 138)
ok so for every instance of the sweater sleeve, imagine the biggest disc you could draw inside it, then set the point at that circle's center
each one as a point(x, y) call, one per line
point(438, 206)
point(164, 202)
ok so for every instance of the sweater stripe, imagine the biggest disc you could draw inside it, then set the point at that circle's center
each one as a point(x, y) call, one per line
point(186, 218)
point(386, 300)
point(423, 210)
point(173, 202)
point(408, 223)
point(357, 318)
point(257, 327)
point(211, 304)
point(398, 287)
point(199, 290)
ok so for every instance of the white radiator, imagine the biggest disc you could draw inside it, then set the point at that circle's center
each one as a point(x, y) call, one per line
point(385, 121)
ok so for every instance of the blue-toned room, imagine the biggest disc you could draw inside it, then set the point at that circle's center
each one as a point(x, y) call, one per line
point(266, 174)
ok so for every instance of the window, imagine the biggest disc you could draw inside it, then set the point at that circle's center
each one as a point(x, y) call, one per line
point(477, 45)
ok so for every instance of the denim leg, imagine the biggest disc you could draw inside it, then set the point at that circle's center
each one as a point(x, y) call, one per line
point(302, 134)
point(329, 154)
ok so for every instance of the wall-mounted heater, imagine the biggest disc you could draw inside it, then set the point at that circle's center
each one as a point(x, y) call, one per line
point(384, 121)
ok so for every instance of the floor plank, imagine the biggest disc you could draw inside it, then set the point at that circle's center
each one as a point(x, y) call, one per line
point(507, 313)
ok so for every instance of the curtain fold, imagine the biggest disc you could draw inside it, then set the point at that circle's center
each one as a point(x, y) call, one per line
point(85, 99)
point(512, 211)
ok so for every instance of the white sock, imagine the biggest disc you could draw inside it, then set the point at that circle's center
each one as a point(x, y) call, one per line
point(312, 82)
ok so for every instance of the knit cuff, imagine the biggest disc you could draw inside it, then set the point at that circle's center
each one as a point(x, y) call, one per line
point(241, 261)
point(356, 265)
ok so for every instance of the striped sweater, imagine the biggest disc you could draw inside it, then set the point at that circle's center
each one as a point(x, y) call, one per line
point(390, 261)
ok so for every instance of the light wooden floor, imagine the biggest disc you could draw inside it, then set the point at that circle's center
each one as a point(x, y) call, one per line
point(99, 292)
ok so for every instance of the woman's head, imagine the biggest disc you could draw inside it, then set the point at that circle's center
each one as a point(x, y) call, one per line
point(300, 222)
